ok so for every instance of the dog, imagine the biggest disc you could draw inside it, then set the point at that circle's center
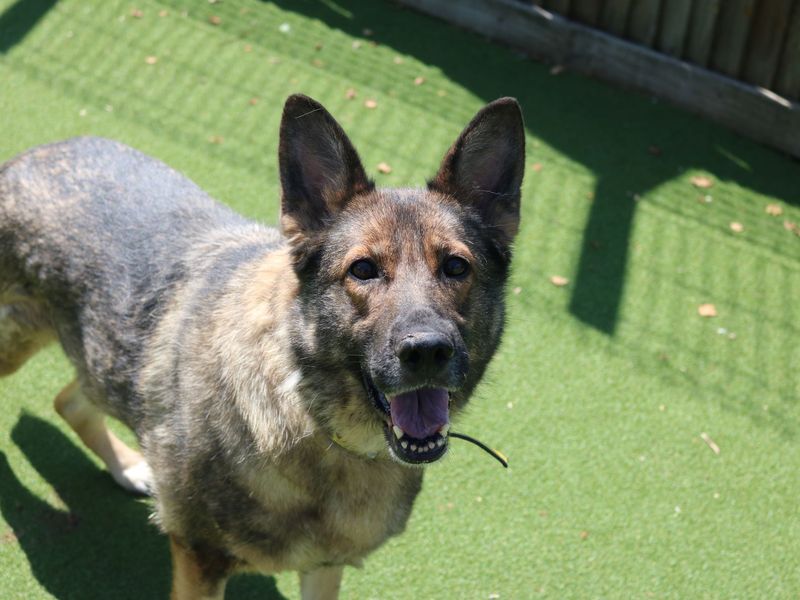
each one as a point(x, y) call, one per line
point(285, 387)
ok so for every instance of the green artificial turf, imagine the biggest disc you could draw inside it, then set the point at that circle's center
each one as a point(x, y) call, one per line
point(603, 386)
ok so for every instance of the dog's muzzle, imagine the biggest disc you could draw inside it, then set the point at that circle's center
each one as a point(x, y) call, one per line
point(416, 422)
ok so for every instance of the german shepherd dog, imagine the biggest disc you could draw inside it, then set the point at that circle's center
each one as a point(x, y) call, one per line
point(284, 387)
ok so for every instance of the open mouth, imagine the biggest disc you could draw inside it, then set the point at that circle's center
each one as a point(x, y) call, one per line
point(416, 422)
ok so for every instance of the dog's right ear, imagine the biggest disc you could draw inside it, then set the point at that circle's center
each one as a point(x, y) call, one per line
point(320, 170)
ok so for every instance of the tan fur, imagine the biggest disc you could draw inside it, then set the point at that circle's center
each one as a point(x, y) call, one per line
point(24, 329)
point(23, 345)
point(263, 295)
point(191, 578)
point(250, 331)
point(89, 423)
point(409, 259)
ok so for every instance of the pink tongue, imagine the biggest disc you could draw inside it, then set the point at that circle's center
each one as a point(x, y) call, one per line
point(420, 413)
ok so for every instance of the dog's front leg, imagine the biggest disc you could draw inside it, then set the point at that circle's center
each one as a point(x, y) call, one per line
point(321, 584)
point(198, 574)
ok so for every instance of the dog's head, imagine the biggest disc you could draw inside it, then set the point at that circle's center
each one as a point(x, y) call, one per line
point(401, 290)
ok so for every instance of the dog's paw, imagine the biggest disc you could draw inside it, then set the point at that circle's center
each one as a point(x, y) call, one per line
point(137, 478)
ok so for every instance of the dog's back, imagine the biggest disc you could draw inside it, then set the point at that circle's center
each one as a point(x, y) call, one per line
point(92, 236)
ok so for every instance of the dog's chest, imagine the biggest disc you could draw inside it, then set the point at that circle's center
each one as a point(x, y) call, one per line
point(332, 515)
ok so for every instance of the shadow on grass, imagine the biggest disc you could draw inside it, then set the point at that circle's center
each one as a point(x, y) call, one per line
point(19, 18)
point(92, 540)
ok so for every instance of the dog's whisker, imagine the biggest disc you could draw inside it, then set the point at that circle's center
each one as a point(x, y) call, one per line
point(305, 114)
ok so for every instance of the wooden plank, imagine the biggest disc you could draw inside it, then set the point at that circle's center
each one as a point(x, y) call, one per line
point(614, 17)
point(787, 81)
point(674, 26)
point(758, 114)
point(585, 11)
point(733, 27)
point(643, 21)
point(558, 6)
point(766, 41)
point(702, 23)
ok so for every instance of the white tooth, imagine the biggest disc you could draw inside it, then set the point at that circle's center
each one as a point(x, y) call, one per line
point(414, 447)
point(404, 444)
point(445, 428)
point(431, 445)
point(397, 432)
point(421, 450)
point(440, 442)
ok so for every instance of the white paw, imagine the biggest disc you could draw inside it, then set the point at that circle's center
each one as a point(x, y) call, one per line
point(137, 478)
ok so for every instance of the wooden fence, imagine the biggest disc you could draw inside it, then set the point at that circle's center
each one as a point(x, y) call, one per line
point(736, 62)
point(755, 41)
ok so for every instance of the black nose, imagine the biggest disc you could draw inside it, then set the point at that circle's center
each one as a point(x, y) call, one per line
point(425, 352)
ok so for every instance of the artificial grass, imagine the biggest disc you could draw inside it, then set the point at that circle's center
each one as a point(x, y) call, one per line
point(602, 387)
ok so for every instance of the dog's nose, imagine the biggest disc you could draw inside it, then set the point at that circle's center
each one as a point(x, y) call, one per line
point(425, 353)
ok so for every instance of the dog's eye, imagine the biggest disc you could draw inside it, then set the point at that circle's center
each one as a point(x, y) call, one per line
point(364, 269)
point(455, 266)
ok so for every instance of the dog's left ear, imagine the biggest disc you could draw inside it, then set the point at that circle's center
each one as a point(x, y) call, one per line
point(485, 165)
point(320, 170)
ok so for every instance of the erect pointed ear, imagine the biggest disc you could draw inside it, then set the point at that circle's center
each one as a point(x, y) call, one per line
point(485, 165)
point(320, 170)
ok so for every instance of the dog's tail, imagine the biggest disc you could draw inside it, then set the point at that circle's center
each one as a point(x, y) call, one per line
point(24, 328)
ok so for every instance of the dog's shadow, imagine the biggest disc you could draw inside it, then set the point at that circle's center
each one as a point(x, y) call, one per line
point(90, 539)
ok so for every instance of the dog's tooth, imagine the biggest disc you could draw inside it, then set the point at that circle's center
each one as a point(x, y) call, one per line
point(404, 444)
point(413, 447)
point(440, 442)
point(431, 445)
point(445, 428)
point(398, 433)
